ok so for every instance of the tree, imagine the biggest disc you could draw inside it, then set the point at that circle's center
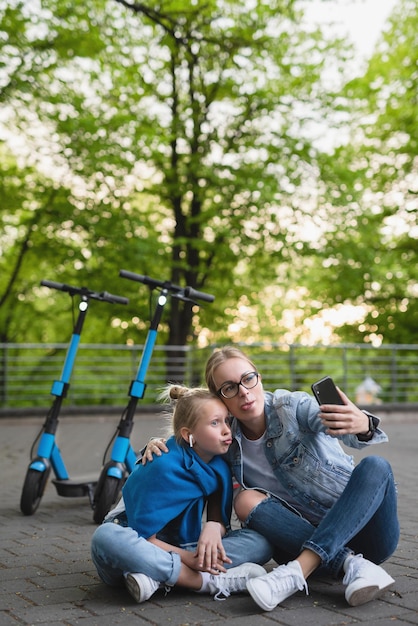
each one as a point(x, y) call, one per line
point(57, 218)
point(181, 136)
point(369, 255)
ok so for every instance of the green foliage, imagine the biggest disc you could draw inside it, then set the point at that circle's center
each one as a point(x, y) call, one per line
point(165, 134)
point(370, 251)
point(178, 139)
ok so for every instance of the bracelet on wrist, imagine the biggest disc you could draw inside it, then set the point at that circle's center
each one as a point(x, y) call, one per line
point(372, 428)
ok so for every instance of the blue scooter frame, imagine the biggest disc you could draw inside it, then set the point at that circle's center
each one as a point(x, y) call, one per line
point(48, 454)
point(123, 457)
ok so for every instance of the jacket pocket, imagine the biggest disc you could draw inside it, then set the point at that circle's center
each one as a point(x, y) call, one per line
point(311, 480)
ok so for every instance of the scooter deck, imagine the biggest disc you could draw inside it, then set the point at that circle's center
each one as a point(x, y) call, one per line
point(75, 487)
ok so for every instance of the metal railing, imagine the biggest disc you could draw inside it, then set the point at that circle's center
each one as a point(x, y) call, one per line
point(103, 372)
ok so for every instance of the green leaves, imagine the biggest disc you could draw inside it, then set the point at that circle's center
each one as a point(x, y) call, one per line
point(183, 140)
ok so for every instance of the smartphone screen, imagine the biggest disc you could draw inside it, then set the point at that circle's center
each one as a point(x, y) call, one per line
point(326, 392)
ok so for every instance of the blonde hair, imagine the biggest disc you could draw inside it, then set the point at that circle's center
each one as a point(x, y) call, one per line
point(186, 403)
point(218, 357)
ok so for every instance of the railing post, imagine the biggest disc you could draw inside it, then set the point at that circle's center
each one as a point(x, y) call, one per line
point(345, 367)
point(292, 367)
point(4, 375)
point(394, 375)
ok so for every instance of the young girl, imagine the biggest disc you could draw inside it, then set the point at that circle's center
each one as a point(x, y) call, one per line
point(154, 537)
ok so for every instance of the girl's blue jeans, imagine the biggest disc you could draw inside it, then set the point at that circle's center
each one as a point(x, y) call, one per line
point(117, 550)
point(363, 520)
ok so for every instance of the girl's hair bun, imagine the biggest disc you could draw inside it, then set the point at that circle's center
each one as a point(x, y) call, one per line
point(177, 391)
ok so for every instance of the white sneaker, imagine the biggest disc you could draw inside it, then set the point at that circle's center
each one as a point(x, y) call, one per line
point(234, 580)
point(365, 581)
point(270, 590)
point(140, 586)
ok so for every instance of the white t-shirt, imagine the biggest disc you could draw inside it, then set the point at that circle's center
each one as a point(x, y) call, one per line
point(258, 472)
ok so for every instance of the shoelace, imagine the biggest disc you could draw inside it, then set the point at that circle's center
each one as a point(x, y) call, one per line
point(226, 587)
point(354, 567)
point(289, 581)
point(167, 589)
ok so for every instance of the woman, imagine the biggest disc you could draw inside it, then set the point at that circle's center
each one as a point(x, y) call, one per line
point(300, 490)
point(154, 536)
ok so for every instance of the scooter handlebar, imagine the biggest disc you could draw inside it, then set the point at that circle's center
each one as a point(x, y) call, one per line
point(151, 282)
point(104, 296)
point(193, 294)
point(187, 292)
point(54, 285)
point(110, 297)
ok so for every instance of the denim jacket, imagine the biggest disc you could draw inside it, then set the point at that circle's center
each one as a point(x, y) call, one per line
point(309, 464)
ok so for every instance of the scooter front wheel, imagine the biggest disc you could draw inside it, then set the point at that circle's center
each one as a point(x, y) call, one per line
point(105, 496)
point(33, 490)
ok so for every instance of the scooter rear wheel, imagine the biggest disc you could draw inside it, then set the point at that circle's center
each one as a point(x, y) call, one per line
point(105, 497)
point(33, 490)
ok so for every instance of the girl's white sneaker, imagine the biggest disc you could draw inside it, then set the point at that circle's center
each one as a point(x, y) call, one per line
point(270, 590)
point(140, 586)
point(234, 580)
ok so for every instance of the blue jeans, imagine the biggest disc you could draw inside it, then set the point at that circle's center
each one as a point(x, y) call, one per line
point(363, 520)
point(118, 549)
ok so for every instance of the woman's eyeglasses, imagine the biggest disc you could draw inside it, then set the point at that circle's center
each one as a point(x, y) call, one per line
point(229, 389)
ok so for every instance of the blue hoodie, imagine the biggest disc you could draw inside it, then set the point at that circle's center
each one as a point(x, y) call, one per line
point(176, 485)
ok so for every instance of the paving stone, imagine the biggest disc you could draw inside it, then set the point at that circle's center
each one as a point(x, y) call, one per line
point(47, 577)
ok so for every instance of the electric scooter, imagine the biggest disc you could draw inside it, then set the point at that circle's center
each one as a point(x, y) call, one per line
point(48, 454)
point(122, 457)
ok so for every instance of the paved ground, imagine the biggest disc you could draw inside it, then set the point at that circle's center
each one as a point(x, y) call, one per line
point(47, 576)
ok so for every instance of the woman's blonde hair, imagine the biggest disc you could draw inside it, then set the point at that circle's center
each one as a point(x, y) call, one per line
point(186, 402)
point(219, 356)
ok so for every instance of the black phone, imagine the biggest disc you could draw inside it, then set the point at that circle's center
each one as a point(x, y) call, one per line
point(326, 392)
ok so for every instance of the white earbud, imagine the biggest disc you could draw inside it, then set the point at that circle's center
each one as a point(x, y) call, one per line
point(191, 440)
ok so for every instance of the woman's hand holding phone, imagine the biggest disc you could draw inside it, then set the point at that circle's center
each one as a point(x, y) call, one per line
point(338, 414)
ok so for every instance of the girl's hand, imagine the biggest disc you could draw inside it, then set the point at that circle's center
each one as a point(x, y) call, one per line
point(210, 552)
point(155, 446)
